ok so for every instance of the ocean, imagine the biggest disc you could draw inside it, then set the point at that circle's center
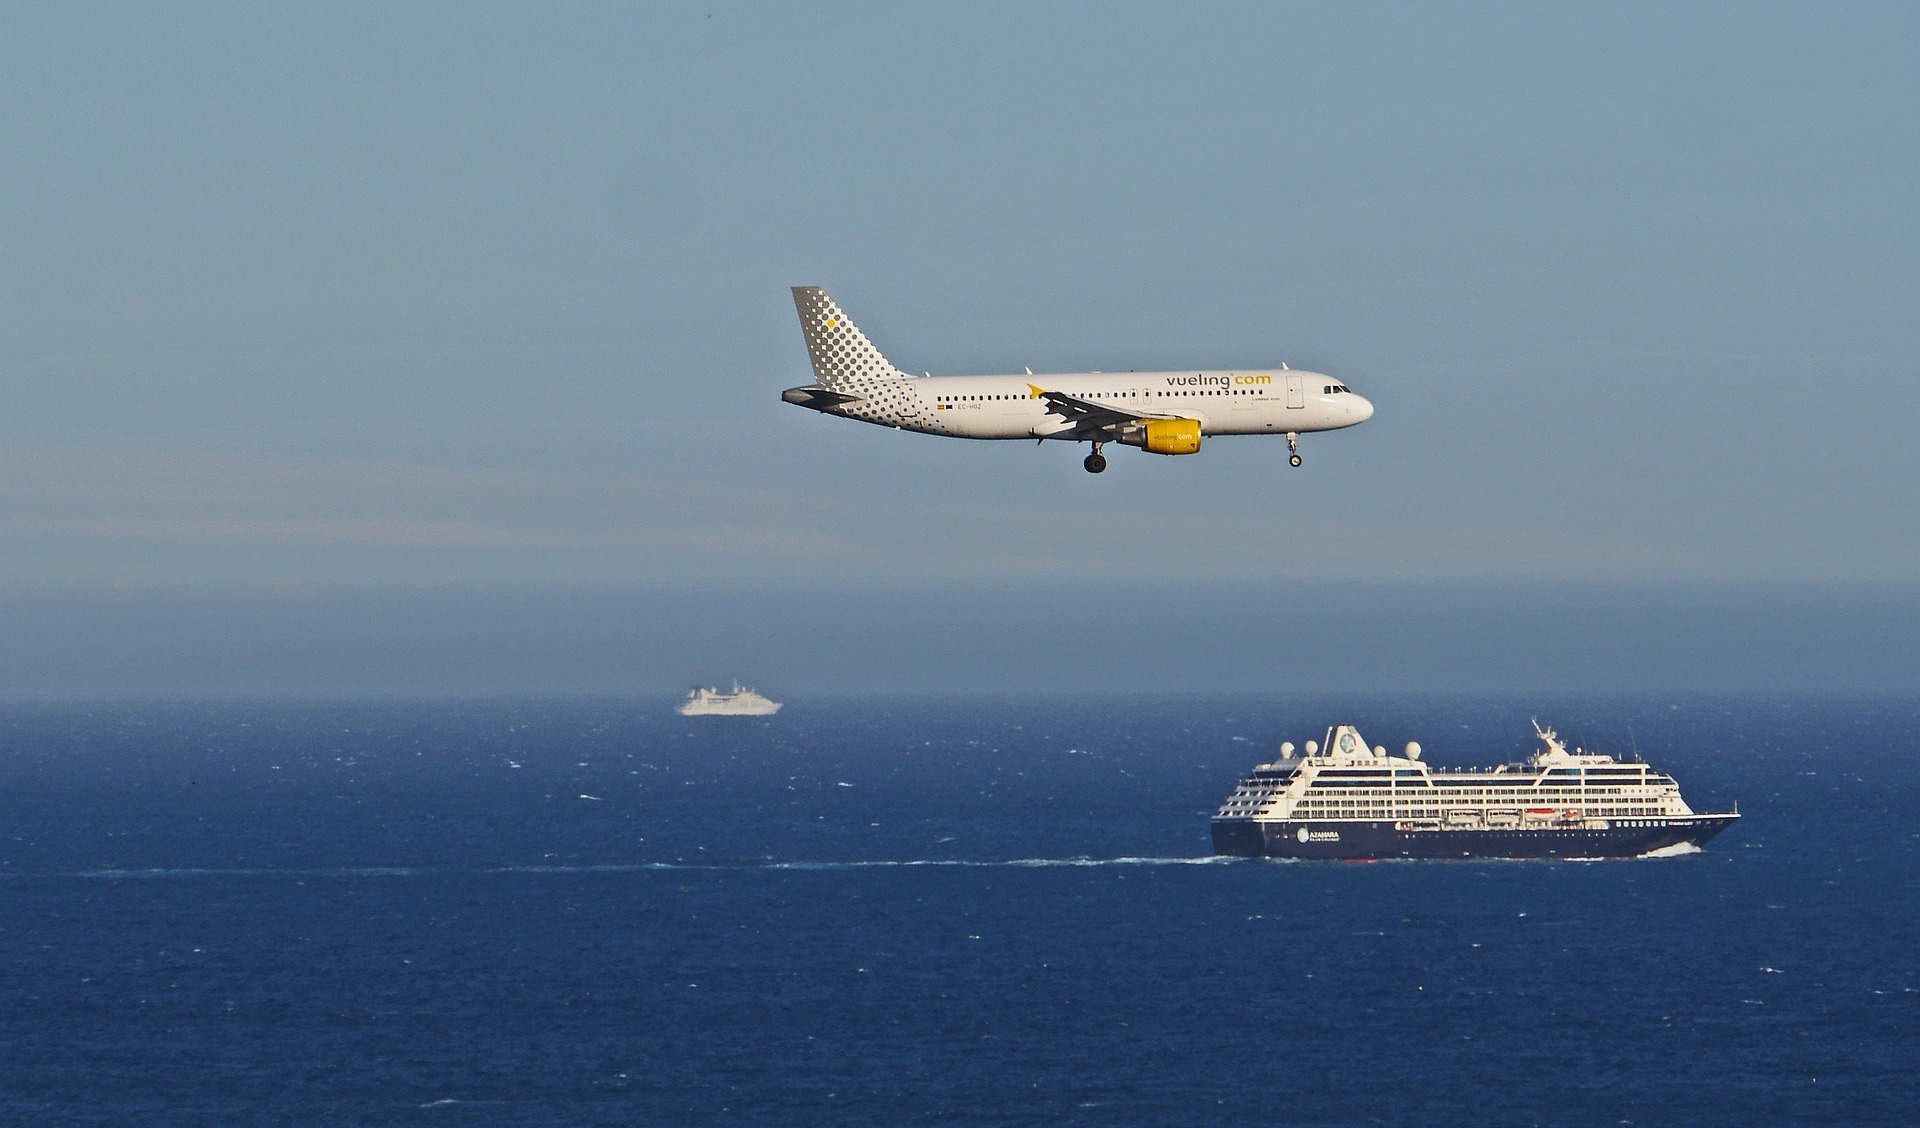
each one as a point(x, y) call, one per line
point(899, 911)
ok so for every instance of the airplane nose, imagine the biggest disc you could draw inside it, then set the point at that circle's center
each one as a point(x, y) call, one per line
point(1362, 408)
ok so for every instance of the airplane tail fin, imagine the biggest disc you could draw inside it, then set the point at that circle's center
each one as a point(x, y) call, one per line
point(842, 356)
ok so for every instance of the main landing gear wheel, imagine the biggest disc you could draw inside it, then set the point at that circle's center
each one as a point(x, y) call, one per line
point(1095, 462)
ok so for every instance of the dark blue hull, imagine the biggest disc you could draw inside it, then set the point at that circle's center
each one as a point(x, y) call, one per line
point(1249, 838)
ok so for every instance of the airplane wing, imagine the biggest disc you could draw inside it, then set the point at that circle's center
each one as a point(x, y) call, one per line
point(1085, 415)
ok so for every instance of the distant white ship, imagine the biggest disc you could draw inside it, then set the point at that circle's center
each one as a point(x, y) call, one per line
point(705, 702)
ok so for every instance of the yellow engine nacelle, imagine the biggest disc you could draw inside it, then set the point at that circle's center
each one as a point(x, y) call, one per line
point(1165, 436)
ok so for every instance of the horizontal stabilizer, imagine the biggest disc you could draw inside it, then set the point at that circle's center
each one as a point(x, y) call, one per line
point(817, 398)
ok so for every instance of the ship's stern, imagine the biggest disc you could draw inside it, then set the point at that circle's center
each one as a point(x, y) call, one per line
point(1238, 838)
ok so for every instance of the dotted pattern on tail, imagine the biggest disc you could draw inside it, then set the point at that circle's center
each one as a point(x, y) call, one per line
point(845, 361)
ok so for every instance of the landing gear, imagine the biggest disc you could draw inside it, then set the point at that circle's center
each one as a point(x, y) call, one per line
point(1095, 462)
point(1293, 448)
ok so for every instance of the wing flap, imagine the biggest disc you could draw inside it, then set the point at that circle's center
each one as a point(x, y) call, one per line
point(1085, 415)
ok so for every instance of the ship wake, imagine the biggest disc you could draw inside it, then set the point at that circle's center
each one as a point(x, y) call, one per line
point(876, 863)
point(307, 873)
point(1008, 863)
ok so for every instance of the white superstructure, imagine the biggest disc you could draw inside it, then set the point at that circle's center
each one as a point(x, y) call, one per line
point(1344, 779)
point(702, 701)
point(1159, 412)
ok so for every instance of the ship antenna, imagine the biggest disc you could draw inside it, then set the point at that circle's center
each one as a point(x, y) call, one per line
point(1632, 743)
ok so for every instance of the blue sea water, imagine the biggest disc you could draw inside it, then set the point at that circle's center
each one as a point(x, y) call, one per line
point(895, 911)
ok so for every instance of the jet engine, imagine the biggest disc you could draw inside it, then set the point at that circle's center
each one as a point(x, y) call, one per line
point(1164, 436)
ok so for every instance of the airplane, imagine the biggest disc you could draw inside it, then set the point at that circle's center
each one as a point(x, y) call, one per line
point(1159, 412)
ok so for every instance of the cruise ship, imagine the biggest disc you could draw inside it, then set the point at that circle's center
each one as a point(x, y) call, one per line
point(704, 701)
point(1341, 799)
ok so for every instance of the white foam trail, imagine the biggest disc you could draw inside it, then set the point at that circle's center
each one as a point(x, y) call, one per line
point(933, 863)
point(612, 867)
point(189, 873)
point(1014, 863)
point(344, 871)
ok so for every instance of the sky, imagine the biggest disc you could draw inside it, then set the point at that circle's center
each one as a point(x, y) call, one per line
point(397, 305)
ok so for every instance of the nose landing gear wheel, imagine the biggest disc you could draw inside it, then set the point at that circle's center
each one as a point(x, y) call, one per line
point(1095, 463)
point(1293, 460)
point(1293, 448)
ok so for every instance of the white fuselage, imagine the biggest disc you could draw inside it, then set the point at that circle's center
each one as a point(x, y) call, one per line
point(1263, 402)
